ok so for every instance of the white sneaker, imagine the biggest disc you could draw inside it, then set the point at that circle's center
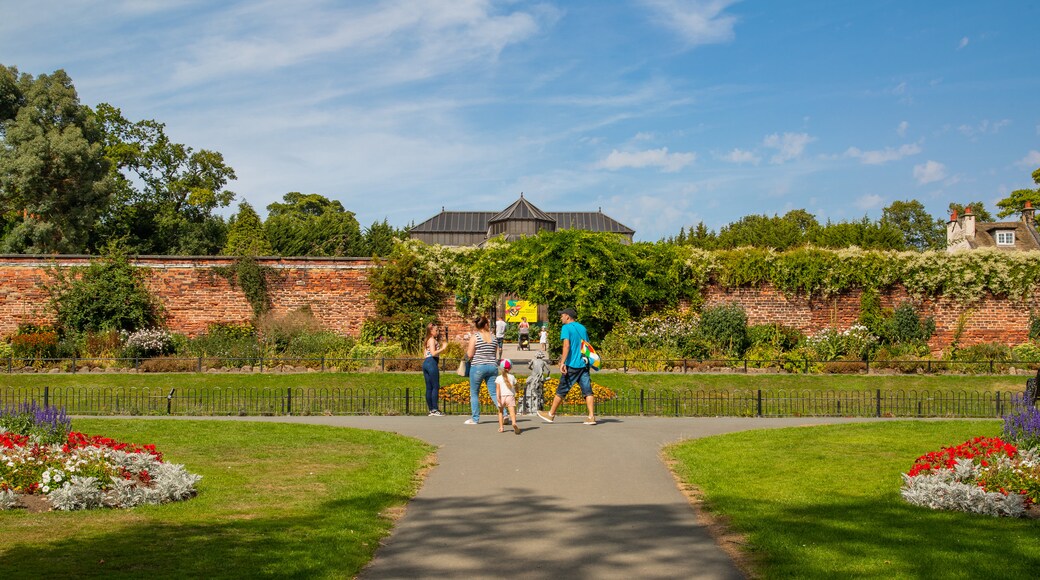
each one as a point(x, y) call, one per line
point(469, 422)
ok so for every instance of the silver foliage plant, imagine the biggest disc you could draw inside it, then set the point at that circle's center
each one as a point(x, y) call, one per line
point(169, 482)
point(8, 499)
point(954, 489)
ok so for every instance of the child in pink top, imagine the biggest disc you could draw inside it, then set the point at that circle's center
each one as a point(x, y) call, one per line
point(505, 387)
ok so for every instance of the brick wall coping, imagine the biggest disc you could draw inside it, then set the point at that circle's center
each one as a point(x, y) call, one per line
point(162, 262)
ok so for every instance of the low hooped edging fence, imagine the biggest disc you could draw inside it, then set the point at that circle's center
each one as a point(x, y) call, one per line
point(78, 400)
point(261, 364)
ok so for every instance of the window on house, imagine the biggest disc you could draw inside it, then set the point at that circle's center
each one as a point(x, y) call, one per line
point(1005, 238)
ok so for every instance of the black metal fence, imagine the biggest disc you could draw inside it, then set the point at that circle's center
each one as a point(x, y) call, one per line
point(678, 365)
point(80, 400)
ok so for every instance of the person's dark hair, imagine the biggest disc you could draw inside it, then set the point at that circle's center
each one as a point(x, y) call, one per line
point(481, 322)
point(429, 330)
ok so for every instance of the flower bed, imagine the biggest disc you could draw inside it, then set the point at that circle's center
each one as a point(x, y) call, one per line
point(87, 472)
point(985, 475)
point(459, 392)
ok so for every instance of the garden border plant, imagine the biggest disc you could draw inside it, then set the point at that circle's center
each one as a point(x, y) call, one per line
point(42, 458)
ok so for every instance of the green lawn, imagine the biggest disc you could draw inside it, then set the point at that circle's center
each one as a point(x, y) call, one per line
point(823, 502)
point(275, 500)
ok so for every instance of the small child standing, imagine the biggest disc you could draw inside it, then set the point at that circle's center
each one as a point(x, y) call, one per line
point(543, 338)
point(505, 385)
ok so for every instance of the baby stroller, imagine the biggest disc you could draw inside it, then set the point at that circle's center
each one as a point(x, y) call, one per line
point(525, 342)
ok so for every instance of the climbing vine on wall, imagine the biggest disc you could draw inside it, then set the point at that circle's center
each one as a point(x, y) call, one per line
point(246, 273)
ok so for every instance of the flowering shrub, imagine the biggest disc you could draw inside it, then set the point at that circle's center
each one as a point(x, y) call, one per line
point(147, 342)
point(985, 475)
point(1022, 425)
point(855, 342)
point(35, 343)
point(459, 392)
point(657, 331)
point(49, 425)
point(89, 471)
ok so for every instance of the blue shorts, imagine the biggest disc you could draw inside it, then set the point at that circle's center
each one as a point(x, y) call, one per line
point(578, 375)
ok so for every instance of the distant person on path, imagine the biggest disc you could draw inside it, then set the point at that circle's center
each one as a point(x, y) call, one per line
point(482, 352)
point(533, 391)
point(500, 334)
point(573, 367)
point(505, 384)
point(543, 339)
point(431, 370)
point(525, 331)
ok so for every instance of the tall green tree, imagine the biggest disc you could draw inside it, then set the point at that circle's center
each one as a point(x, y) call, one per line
point(1016, 202)
point(920, 230)
point(246, 234)
point(313, 225)
point(779, 233)
point(380, 236)
point(53, 169)
point(865, 233)
point(167, 192)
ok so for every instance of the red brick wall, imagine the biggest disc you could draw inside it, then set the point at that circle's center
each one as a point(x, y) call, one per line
point(991, 319)
point(194, 296)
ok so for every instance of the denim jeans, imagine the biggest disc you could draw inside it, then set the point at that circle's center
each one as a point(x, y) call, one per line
point(477, 375)
point(432, 375)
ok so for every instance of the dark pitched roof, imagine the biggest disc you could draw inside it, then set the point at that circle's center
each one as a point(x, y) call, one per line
point(521, 210)
point(594, 221)
point(456, 221)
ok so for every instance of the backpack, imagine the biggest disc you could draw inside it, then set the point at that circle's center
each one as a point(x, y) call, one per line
point(589, 355)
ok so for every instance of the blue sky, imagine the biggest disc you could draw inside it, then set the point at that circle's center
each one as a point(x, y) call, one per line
point(662, 112)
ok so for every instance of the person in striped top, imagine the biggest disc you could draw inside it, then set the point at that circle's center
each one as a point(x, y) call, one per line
point(482, 351)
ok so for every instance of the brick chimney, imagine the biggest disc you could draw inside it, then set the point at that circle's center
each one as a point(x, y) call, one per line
point(1027, 213)
point(968, 223)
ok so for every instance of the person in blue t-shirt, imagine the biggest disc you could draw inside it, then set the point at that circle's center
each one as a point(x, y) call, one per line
point(573, 367)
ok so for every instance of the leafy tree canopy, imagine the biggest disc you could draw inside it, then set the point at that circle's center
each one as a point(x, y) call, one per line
point(1016, 202)
point(380, 236)
point(313, 225)
point(920, 230)
point(166, 192)
point(246, 235)
point(52, 164)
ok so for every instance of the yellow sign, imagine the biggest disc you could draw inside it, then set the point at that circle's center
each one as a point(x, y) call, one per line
point(515, 309)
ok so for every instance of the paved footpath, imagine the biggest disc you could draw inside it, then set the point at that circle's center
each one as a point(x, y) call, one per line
point(561, 500)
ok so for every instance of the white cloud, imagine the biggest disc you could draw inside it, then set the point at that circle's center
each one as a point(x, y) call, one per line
point(884, 155)
point(697, 21)
point(741, 156)
point(791, 145)
point(900, 89)
point(402, 41)
point(1032, 159)
point(901, 129)
point(985, 127)
point(871, 201)
point(929, 172)
point(963, 43)
point(669, 162)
